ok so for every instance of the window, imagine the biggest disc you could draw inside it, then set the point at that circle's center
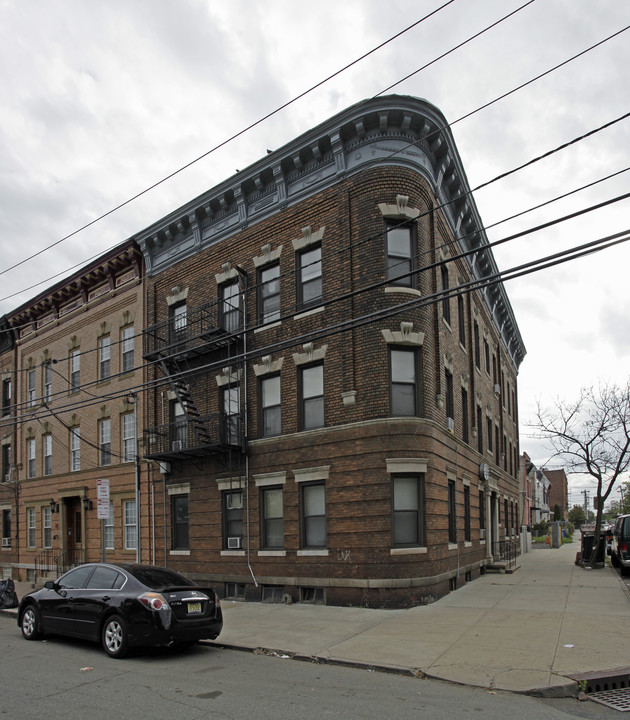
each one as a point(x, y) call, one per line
point(446, 303)
point(313, 516)
point(104, 578)
point(179, 522)
point(30, 379)
point(131, 525)
point(127, 343)
point(269, 294)
point(47, 381)
point(47, 526)
point(477, 352)
point(272, 518)
point(312, 397)
point(75, 371)
point(497, 448)
point(230, 307)
point(31, 454)
point(231, 414)
point(494, 369)
point(76, 578)
point(452, 516)
point(129, 437)
point(6, 462)
point(109, 528)
point(233, 519)
point(486, 355)
point(461, 319)
point(178, 322)
point(466, 513)
point(403, 382)
point(105, 441)
point(75, 448)
point(408, 510)
point(506, 516)
point(450, 403)
point(179, 425)
point(48, 455)
point(479, 429)
point(465, 428)
point(104, 354)
point(309, 290)
point(31, 527)
point(271, 408)
point(482, 512)
point(6, 525)
point(489, 433)
point(400, 255)
point(6, 397)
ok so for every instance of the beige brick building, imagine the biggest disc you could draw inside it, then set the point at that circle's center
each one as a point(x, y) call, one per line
point(331, 394)
point(72, 420)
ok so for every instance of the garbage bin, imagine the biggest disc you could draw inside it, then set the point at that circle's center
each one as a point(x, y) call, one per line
point(587, 548)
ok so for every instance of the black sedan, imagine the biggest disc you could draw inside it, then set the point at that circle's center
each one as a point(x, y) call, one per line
point(122, 606)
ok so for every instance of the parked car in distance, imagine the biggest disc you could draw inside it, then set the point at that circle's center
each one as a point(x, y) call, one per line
point(620, 544)
point(122, 606)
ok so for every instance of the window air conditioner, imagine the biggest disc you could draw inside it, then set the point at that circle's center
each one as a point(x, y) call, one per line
point(6, 542)
point(7, 477)
point(234, 543)
point(482, 534)
point(497, 389)
point(450, 424)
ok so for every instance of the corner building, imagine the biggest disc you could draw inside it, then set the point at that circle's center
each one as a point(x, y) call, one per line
point(333, 371)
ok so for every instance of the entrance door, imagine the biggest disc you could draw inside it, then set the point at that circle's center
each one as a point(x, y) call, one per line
point(74, 531)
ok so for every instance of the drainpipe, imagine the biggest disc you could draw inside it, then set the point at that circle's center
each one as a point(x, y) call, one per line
point(243, 275)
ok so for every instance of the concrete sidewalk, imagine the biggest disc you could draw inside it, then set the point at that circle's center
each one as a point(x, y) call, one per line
point(525, 632)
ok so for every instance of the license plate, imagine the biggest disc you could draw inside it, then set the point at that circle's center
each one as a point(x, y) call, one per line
point(194, 608)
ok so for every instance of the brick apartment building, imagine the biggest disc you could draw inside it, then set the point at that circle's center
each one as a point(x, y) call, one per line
point(558, 491)
point(69, 419)
point(331, 407)
point(8, 485)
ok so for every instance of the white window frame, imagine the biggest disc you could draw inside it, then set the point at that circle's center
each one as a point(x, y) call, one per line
point(129, 436)
point(47, 526)
point(104, 358)
point(75, 449)
point(48, 454)
point(130, 522)
point(127, 350)
point(31, 525)
point(31, 453)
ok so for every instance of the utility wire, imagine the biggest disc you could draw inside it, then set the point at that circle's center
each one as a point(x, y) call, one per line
point(480, 284)
point(447, 125)
point(228, 140)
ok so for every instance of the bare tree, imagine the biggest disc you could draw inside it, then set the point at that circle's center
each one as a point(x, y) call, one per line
point(591, 435)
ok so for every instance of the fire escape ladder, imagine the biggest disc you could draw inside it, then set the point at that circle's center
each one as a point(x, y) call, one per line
point(192, 416)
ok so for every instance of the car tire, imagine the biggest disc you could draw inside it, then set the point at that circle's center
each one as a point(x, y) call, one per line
point(29, 623)
point(114, 637)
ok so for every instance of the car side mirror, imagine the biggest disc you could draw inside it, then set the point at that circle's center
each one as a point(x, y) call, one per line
point(49, 584)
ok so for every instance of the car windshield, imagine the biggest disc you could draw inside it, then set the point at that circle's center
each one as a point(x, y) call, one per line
point(157, 577)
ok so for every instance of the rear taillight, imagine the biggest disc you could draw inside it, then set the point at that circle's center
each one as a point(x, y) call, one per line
point(154, 601)
point(624, 547)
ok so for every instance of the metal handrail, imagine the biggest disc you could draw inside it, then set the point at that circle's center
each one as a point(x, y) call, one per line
point(45, 562)
point(505, 551)
point(68, 559)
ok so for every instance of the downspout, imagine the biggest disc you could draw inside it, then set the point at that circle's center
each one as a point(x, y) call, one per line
point(243, 275)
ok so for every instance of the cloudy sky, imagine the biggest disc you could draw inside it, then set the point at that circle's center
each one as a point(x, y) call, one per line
point(103, 98)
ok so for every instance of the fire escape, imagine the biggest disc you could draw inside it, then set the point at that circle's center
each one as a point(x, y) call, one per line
point(189, 350)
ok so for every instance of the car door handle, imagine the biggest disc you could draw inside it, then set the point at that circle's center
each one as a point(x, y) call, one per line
point(106, 598)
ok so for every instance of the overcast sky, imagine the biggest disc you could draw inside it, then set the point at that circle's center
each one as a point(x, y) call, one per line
point(102, 98)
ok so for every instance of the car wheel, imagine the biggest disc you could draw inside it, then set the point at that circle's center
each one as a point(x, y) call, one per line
point(114, 637)
point(30, 623)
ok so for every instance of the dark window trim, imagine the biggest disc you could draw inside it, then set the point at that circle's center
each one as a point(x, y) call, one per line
point(317, 301)
point(420, 509)
point(409, 281)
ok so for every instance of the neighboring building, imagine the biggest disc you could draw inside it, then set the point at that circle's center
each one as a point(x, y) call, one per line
point(333, 419)
point(528, 480)
point(8, 485)
point(78, 356)
point(540, 497)
point(558, 492)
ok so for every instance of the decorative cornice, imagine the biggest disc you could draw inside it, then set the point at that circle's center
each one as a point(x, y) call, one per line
point(396, 131)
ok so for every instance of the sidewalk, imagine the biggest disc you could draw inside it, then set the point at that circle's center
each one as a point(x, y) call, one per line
point(525, 632)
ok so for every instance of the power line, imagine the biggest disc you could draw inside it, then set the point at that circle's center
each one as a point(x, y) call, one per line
point(447, 125)
point(228, 140)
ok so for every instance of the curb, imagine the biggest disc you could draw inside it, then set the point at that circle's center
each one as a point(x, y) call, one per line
point(568, 690)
